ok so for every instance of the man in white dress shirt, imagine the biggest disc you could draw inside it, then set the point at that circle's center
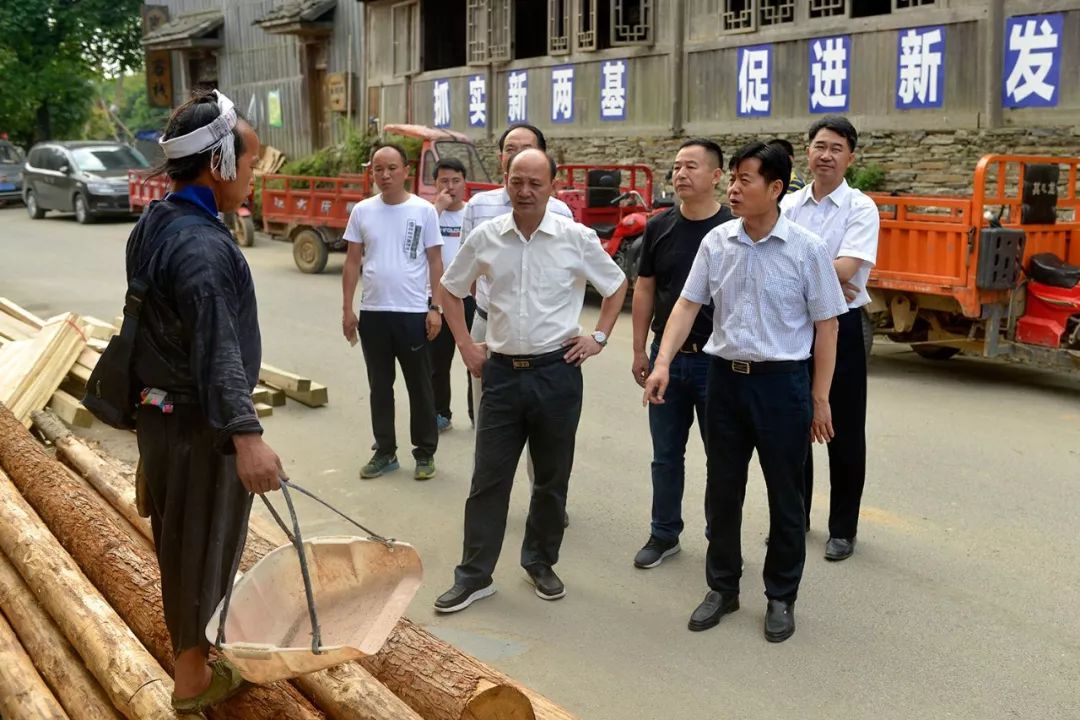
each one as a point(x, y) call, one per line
point(536, 263)
point(848, 221)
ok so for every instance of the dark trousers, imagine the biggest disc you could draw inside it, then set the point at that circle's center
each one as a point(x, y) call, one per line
point(770, 413)
point(386, 337)
point(669, 426)
point(198, 513)
point(540, 406)
point(847, 450)
point(442, 357)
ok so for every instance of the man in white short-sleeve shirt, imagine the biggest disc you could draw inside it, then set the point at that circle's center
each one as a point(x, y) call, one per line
point(394, 237)
point(848, 221)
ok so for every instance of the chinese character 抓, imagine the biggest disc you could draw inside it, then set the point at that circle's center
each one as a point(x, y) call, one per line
point(1033, 46)
point(441, 103)
point(517, 96)
point(562, 94)
point(754, 80)
point(920, 68)
point(613, 90)
point(829, 74)
point(477, 101)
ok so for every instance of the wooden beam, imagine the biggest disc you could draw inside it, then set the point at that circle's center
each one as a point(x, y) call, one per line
point(283, 379)
point(7, 307)
point(315, 397)
point(70, 410)
point(99, 329)
point(263, 410)
point(261, 395)
point(32, 370)
point(277, 397)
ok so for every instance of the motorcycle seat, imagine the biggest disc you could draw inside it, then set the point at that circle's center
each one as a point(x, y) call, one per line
point(1049, 269)
point(604, 231)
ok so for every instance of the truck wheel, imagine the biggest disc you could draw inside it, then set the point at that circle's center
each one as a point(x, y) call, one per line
point(935, 352)
point(867, 334)
point(35, 211)
point(309, 251)
point(243, 229)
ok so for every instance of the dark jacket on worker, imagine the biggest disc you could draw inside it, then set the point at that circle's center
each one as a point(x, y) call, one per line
point(199, 332)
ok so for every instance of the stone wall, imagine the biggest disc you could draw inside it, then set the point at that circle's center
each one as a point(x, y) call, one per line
point(916, 162)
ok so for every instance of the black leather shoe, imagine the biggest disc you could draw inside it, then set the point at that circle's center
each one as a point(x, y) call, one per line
point(547, 583)
point(779, 621)
point(565, 519)
point(460, 597)
point(837, 549)
point(715, 606)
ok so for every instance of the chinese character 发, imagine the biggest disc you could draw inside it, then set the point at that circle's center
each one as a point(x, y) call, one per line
point(829, 74)
point(1036, 45)
point(441, 103)
point(517, 96)
point(754, 80)
point(324, 208)
point(613, 90)
point(477, 101)
point(562, 94)
point(919, 65)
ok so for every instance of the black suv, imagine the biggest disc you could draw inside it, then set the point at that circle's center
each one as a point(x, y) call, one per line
point(89, 178)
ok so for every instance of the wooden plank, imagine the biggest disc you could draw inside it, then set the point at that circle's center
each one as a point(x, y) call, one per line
point(317, 396)
point(99, 329)
point(32, 370)
point(277, 397)
point(263, 410)
point(88, 358)
point(97, 344)
point(261, 395)
point(13, 329)
point(70, 410)
point(283, 379)
point(11, 309)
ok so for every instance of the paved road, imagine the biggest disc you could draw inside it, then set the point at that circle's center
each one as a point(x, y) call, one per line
point(961, 601)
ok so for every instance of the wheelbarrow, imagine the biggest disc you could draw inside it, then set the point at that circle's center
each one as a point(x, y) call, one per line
point(315, 603)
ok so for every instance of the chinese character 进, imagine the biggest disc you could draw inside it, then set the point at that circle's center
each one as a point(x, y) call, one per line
point(562, 94)
point(1033, 60)
point(613, 90)
point(517, 96)
point(754, 80)
point(920, 68)
point(441, 103)
point(829, 73)
point(477, 101)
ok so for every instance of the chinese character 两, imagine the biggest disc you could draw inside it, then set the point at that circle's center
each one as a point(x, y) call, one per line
point(920, 59)
point(477, 101)
point(517, 96)
point(441, 103)
point(613, 90)
point(754, 80)
point(562, 94)
point(829, 74)
point(1036, 44)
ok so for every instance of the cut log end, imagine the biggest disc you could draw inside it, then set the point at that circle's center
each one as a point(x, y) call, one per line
point(500, 702)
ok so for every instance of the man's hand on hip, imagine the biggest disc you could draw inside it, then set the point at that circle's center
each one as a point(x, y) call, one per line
point(257, 465)
point(581, 348)
point(474, 355)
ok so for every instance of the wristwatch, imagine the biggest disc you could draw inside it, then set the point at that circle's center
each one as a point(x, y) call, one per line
point(436, 308)
point(600, 337)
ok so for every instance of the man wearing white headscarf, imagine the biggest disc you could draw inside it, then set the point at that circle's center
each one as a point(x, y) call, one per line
point(197, 351)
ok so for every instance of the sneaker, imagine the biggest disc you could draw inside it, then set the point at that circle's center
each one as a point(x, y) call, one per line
point(379, 464)
point(425, 468)
point(547, 583)
point(460, 597)
point(655, 552)
point(443, 423)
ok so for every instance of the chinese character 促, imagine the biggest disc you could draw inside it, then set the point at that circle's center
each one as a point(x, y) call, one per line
point(754, 81)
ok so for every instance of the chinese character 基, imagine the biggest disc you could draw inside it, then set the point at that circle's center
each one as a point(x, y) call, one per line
point(613, 90)
point(517, 96)
point(754, 80)
point(562, 94)
point(477, 101)
point(920, 70)
point(441, 104)
point(1033, 60)
point(829, 79)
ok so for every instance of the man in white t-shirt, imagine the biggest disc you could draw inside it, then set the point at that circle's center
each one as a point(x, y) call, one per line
point(848, 221)
point(450, 203)
point(394, 237)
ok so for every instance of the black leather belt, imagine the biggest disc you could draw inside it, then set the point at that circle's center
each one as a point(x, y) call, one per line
point(745, 367)
point(529, 362)
point(691, 347)
point(482, 313)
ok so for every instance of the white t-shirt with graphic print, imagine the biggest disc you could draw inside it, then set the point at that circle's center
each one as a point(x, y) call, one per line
point(450, 227)
point(395, 240)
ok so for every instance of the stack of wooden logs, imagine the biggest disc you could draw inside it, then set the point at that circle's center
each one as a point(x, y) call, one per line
point(47, 363)
point(82, 633)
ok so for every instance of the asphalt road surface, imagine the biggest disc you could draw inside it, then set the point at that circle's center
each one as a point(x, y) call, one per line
point(960, 602)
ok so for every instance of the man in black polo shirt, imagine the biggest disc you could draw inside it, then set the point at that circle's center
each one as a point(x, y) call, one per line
point(671, 243)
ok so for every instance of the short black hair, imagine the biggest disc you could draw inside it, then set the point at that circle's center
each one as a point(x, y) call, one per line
point(775, 163)
point(552, 166)
point(711, 148)
point(541, 142)
point(452, 164)
point(783, 145)
point(839, 125)
point(201, 110)
point(395, 146)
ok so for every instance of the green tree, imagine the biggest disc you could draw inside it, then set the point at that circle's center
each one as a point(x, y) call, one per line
point(50, 53)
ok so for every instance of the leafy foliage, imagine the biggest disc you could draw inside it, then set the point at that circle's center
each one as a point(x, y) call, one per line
point(868, 178)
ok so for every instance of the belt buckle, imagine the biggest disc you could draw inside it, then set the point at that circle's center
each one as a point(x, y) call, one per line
point(521, 363)
point(740, 366)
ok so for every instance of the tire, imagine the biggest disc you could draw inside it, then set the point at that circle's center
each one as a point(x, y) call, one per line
point(867, 334)
point(309, 251)
point(243, 230)
point(935, 352)
point(35, 211)
point(83, 215)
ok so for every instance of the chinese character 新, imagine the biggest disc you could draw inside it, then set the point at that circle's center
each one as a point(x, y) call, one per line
point(441, 103)
point(920, 68)
point(1033, 45)
point(613, 90)
point(517, 96)
point(829, 74)
point(754, 80)
point(562, 94)
point(477, 101)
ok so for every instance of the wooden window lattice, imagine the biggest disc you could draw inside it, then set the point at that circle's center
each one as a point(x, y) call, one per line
point(737, 16)
point(587, 37)
point(476, 30)
point(776, 12)
point(558, 27)
point(500, 31)
point(828, 8)
point(909, 4)
point(631, 22)
point(403, 22)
